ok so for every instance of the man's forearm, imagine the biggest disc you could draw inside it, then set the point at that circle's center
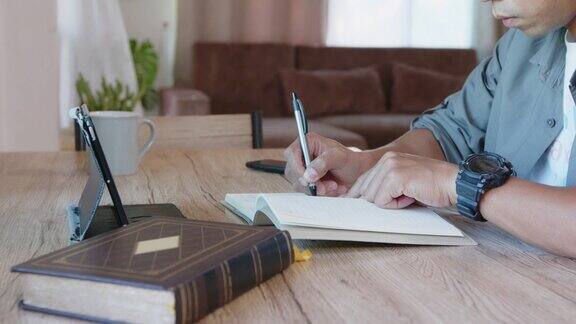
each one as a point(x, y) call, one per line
point(542, 215)
point(418, 142)
point(539, 214)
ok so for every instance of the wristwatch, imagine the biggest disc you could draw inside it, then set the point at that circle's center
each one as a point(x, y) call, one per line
point(479, 173)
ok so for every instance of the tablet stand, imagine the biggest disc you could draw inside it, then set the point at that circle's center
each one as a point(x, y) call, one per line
point(87, 218)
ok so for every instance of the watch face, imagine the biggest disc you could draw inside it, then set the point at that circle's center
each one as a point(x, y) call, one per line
point(484, 164)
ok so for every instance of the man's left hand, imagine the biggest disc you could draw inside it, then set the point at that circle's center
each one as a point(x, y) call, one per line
point(400, 179)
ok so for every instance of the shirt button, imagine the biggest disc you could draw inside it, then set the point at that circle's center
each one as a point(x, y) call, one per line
point(551, 122)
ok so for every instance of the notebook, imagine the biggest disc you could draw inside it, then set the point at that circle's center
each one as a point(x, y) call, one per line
point(345, 219)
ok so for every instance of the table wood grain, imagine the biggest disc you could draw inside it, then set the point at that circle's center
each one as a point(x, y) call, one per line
point(500, 280)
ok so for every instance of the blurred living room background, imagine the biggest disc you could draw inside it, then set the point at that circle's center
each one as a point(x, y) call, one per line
point(364, 68)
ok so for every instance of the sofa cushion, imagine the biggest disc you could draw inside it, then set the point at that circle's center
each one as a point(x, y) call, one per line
point(281, 132)
point(242, 78)
point(452, 61)
point(378, 130)
point(416, 89)
point(329, 92)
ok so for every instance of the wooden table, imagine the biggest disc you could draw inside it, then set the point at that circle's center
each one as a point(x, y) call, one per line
point(500, 280)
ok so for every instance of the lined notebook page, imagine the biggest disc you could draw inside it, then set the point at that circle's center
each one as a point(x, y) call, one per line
point(246, 203)
point(355, 214)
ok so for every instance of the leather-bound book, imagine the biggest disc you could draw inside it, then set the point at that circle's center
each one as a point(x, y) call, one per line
point(159, 270)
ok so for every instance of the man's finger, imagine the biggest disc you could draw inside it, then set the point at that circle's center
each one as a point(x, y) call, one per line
point(355, 192)
point(374, 185)
point(294, 165)
point(331, 188)
point(291, 175)
point(391, 195)
point(320, 189)
point(299, 188)
point(385, 194)
point(369, 178)
point(342, 190)
point(329, 160)
point(398, 203)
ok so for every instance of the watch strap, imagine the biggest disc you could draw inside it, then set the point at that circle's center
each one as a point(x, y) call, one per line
point(469, 190)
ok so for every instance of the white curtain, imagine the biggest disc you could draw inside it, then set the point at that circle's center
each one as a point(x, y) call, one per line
point(94, 42)
point(155, 21)
point(299, 22)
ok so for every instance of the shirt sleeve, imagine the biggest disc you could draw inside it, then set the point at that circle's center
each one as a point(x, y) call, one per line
point(459, 123)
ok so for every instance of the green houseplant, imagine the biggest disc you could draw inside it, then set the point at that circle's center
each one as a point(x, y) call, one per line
point(117, 96)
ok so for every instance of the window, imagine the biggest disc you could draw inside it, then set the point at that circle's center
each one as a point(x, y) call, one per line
point(401, 23)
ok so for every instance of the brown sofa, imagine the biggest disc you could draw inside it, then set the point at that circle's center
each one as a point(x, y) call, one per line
point(241, 78)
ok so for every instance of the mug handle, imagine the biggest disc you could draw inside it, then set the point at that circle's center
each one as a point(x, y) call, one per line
point(151, 138)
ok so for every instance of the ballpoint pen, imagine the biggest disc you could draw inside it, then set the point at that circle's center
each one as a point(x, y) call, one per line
point(302, 125)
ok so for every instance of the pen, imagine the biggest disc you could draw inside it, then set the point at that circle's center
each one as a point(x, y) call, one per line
point(302, 125)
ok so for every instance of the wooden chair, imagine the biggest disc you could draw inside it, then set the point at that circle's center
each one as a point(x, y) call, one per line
point(206, 131)
point(209, 131)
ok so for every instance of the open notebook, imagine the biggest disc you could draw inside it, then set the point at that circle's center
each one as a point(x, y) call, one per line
point(345, 219)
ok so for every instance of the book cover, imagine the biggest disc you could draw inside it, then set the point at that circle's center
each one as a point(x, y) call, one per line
point(205, 264)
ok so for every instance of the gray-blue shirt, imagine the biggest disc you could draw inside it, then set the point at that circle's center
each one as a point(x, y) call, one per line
point(511, 104)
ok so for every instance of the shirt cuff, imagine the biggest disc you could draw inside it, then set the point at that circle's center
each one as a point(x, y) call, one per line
point(442, 136)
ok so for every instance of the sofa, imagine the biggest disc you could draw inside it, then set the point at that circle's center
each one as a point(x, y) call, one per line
point(361, 97)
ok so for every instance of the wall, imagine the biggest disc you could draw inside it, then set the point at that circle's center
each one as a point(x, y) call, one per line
point(186, 37)
point(29, 64)
point(200, 20)
point(2, 86)
point(154, 20)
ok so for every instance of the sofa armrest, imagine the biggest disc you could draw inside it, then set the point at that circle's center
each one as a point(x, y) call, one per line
point(183, 101)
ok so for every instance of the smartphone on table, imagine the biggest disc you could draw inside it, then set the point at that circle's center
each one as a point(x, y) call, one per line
point(271, 166)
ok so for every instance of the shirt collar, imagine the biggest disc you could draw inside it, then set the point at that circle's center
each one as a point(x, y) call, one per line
point(569, 38)
point(572, 86)
point(551, 52)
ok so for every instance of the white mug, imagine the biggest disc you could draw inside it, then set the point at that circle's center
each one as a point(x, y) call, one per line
point(118, 135)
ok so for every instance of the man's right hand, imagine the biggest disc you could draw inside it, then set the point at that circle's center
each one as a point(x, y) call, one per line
point(334, 167)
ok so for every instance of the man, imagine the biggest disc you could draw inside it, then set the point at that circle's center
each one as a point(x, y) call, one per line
point(519, 104)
